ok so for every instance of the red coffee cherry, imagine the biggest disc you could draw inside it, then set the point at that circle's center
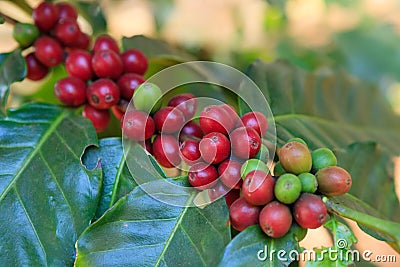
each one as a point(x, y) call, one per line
point(309, 211)
point(107, 64)
point(67, 31)
point(243, 214)
point(333, 181)
point(190, 152)
point(255, 120)
point(134, 61)
point(48, 51)
point(71, 91)
point(45, 16)
point(275, 219)
point(191, 129)
point(103, 94)
point(295, 158)
point(99, 118)
point(186, 103)
point(231, 197)
point(202, 176)
point(232, 114)
point(169, 120)
point(214, 148)
point(138, 125)
point(82, 42)
point(166, 150)
point(245, 142)
point(105, 42)
point(258, 187)
point(217, 191)
point(229, 173)
point(66, 11)
point(128, 83)
point(215, 119)
point(78, 64)
point(35, 70)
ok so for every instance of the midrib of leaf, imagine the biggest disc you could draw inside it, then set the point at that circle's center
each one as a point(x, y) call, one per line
point(176, 227)
point(116, 182)
point(34, 152)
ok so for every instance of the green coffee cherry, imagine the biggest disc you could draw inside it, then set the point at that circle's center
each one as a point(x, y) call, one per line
point(308, 181)
point(287, 188)
point(251, 165)
point(25, 34)
point(278, 169)
point(146, 97)
point(321, 158)
point(295, 158)
point(263, 154)
point(297, 139)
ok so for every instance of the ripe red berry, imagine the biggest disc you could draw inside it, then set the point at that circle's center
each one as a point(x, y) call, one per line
point(67, 31)
point(105, 42)
point(134, 61)
point(186, 103)
point(217, 191)
point(295, 158)
point(229, 173)
point(232, 114)
point(138, 125)
point(202, 176)
point(99, 118)
point(191, 129)
point(35, 70)
point(48, 51)
point(309, 211)
point(166, 150)
point(70, 91)
point(245, 142)
point(103, 93)
point(243, 214)
point(255, 120)
point(190, 152)
point(231, 197)
point(45, 16)
point(169, 120)
point(107, 64)
point(333, 181)
point(214, 148)
point(78, 64)
point(258, 187)
point(66, 11)
point(215, 119)
point(127, 84)
point(82, 42)
point(275, 219)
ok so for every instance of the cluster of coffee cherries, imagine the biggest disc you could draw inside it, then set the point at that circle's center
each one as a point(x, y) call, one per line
point(293, 194)
point(99, 77)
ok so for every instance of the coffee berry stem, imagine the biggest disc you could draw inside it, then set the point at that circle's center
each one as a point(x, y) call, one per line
point(380, 225)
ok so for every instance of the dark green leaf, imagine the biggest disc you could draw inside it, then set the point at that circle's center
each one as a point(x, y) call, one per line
point(141, 231)
point(12, 69)
point(253, 248)
point(353, 208)
point(93, 14)
point(47, 197)
point(372, 172)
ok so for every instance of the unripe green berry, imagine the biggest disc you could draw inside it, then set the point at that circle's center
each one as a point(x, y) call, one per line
point(25, 34)
point(321, 158)
point(278, 169)
point(308, 181)
point(146, 97)
point(252, 165)
point(297, 139)
point(263, 154)
point(295, 158)
point(287, 188)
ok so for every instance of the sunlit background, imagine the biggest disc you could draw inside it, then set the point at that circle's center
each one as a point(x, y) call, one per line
point(360, 36)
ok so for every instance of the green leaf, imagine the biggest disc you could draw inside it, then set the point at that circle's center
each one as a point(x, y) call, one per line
point(340, 254)
point(2, 20)
point(47, 197)
point(141, 231)
point(373, 175)
point(93, 14)
point(355, 209)
point(46, 91)
point(12, 69)
point(252, 247)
